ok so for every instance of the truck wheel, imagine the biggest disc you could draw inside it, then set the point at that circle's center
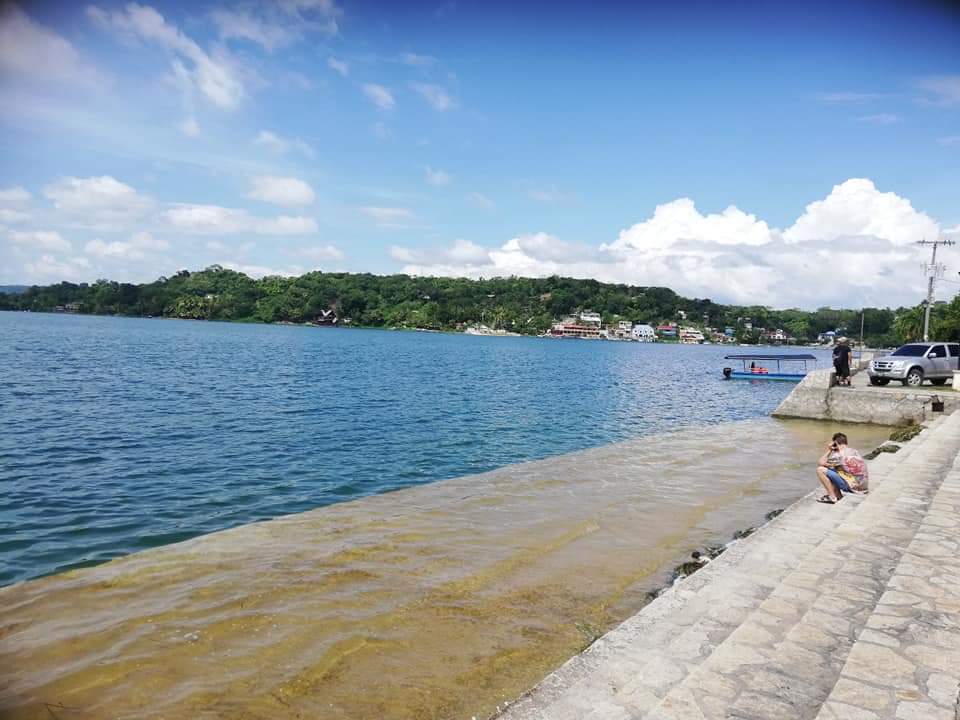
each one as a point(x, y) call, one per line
point(939, 381)
point(879, 381)
point(914, 377)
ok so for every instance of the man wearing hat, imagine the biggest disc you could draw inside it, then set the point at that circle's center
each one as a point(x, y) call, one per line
point(841, 361)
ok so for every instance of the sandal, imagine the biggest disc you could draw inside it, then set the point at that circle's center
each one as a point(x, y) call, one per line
point(826, 500)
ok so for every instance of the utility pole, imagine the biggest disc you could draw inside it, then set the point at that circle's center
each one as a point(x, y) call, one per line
point(934, 272)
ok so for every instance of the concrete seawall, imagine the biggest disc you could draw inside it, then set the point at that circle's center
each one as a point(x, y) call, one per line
point(818, 398)
point(830, 612)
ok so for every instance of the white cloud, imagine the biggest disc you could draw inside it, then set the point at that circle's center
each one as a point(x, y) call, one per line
point(13, 204)
point(216, 220)
point(880, 119)
point(856, 208)
point(274, 25)
point(214, 74)
point(39, 239)
point(98, 202)
point(853, 98)
point(437, 178)
point(941, 89)
point(322, 253)
point(415, 60)
point(379, 96)
point(949, 140)
point(259, 271)
point(138, 247)
point(29, 51)
point(241, 25)
point(285, 191)
point(189, 127)
point(386, 216)
point(436, 96)
point(281, 145)
point(854, 247)
point(47, 269)
point(339, 66)
point(548, 195)
point(14, 196)
point(10, 217)
point(482, 201)
point(460, 251)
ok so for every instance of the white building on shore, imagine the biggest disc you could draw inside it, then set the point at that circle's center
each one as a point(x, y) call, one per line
point(643, 333)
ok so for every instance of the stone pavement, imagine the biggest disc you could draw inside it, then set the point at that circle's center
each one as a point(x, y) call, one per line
point(841, 612)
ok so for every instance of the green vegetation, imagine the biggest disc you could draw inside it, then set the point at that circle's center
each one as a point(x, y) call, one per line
point(523, 305)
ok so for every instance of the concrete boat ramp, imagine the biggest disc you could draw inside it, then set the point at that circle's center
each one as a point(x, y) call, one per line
point(834, 612)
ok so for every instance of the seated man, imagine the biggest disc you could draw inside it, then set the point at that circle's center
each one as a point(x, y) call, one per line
point(841, 469)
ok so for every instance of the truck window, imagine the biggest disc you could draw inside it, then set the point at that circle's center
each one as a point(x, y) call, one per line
point(937, 351)
point(954, 349)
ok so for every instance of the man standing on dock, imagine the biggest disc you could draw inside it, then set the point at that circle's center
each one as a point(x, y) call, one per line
point(841, 361)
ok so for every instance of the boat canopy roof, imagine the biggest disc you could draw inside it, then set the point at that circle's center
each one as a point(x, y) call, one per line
point(770, 357)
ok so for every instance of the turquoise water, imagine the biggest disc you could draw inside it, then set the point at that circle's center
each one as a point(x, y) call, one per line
point(119, 434)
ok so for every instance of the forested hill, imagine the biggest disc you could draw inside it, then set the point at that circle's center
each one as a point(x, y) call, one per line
point(523, 305)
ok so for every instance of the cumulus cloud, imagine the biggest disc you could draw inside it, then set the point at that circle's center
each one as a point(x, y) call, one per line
point(48, 268)
point(138, 247)
point(857, 208)
point(284, 191)
point(39, 239)
point(435, 95)
point(321, 253)
point(213, 74)
point(338, 66)
point(437, 178)
point(379, 96)
point(259, 271)
point(13, 204)
point(460, 252)
point(856, 246)
point(216, 220)
point(30, 51)
point(279, 144)
point(98, 202)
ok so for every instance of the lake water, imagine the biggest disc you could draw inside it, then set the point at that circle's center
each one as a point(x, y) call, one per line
point(432, 602)
point(118, 435)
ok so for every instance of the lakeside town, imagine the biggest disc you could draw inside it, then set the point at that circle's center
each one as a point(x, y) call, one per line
point(589, 325)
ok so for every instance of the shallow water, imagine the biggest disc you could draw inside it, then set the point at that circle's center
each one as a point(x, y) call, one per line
point(439, 601)
point(118, 434)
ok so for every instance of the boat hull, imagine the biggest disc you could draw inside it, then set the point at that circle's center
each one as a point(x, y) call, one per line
point(788, 377)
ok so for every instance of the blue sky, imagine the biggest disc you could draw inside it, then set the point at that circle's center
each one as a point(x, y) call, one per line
point(732, 150)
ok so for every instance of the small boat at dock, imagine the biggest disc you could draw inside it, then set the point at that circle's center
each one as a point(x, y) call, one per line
point(769, 367)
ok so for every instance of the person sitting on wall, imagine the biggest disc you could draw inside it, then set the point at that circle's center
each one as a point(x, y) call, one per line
point(841, 469)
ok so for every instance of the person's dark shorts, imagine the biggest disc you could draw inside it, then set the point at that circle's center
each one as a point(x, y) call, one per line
point(842, 370)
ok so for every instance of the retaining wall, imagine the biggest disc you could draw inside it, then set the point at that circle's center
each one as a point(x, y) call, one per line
point(818, 398)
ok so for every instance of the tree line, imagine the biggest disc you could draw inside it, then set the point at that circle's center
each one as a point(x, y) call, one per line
point(523, 305)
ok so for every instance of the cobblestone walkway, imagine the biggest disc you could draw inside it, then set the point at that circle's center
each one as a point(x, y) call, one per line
point(830, 612)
